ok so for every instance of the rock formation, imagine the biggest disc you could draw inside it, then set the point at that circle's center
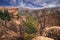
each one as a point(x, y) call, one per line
point(52, 32)
point(12, 29)
point(42, 38)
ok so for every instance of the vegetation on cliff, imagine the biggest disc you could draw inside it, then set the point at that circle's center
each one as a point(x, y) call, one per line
point(5, 15)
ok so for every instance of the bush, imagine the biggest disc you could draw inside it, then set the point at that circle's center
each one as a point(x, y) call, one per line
point(31, 25)
point(29, 28)
point(5, 15)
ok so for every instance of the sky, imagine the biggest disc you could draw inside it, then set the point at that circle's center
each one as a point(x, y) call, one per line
point(31, 3)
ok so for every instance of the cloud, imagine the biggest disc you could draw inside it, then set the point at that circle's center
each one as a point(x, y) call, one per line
point(13, 2)
point(31, 3)
point(51, 3)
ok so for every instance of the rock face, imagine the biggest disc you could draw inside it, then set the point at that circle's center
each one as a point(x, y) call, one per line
point(12, 29)
point(42, 38)
point(52, 32)
point(48, 17)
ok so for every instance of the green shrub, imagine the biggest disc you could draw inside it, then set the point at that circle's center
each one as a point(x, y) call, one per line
point(5, 15)
point(29, 28)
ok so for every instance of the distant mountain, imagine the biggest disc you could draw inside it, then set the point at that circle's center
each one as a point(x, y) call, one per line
point(39, 12)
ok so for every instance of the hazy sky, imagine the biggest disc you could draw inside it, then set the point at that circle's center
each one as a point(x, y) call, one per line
point(31, 3)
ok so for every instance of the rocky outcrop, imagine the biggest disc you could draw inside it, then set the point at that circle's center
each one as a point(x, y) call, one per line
point(12, 29)
point(48, 17)
point(52, 32)
point(42, 38)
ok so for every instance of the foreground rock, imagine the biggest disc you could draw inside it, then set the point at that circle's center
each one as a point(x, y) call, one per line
point(12, 30)
point(42, 38)
point(52, 32)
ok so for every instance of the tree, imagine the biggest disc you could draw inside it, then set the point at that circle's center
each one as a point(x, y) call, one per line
point(30, 24)
point(5, 15)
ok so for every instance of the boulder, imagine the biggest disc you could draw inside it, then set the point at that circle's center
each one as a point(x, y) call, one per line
point(42, 38)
